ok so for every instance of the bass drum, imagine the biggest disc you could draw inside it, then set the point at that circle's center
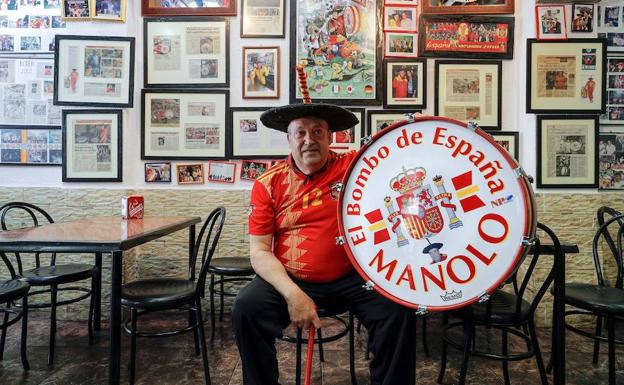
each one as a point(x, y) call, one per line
point(435, 214)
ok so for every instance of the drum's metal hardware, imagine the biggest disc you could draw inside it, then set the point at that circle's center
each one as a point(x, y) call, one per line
point(530, 178)
point(520, 173)
point(528, 241)
point(340, 240)
point(366, 140)
point(473, 126)
point(422, 310)
point(337, 187)
point(369, 285)
point(484, 297)
point(410, 118)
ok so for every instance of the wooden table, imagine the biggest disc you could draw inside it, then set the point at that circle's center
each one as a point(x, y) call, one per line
point(99, 235)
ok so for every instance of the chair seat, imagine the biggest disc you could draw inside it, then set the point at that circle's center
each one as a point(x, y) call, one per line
point(158, 293)
point(48, 275)
point(503, 309)
point(597, 298)
point(12, 290)
point(234, 266)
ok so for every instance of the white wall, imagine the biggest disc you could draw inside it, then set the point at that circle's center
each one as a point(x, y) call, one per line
point(514, 117)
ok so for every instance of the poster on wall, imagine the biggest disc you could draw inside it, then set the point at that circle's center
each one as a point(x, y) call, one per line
point(29, 26)
point(30, 145)
point(611, 155)
point(340, 50)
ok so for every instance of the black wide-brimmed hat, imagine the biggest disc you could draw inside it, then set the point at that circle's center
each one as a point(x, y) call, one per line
point(337, 118)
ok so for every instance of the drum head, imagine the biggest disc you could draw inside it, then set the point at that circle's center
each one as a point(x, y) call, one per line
point(434, 214)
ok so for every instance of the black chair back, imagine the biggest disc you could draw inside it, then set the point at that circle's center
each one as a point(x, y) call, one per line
point(17, 215)
point(607, 218)
point(208, 237)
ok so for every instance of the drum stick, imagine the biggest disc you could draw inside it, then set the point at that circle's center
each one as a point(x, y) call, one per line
point(303, 84)
point(308, 372)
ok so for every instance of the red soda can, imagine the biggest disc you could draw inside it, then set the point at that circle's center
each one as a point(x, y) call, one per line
point(132, 207)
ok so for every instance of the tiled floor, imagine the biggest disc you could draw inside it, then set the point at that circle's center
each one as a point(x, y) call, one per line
point(171, 360)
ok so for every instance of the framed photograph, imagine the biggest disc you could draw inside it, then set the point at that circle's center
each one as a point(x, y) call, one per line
point(567, 151)
point(413, 3)
point(377, 120)
point(566, 76)
point(190, 173)
point(188, 8)
point(400, 19)
point(550, 22)
point(340, 48)
point(351, 139)
point(31, 145)
point(610, 17)
point(582, 18)
point(76, 10)
point(186, 52)
point(406, 83)
point(28, 89)
point(469, 91)
point(478, 37)
point(94, 71)
point(252, 140)
point(263, 19)
point(615, 90)
point(400, 44)
point(615, 41)
point(222, 172)
point(92, 150)
point(261, 76)
point(509, 140)
point(158, 172)
point(184, 124)
point(611, 155)
point(252, 169)
point(482, 7)
point(108, 10)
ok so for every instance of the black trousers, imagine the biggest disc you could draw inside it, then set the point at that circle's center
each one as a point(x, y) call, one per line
point(260, 313)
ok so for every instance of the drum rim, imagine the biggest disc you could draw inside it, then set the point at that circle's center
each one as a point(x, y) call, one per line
point(528, 197)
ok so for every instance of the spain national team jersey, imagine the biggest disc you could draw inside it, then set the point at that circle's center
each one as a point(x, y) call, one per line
point(301, 213)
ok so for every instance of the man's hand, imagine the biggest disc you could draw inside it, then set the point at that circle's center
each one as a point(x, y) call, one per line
point(302, 310)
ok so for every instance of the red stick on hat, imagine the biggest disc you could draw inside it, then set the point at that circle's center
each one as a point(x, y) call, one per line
point(303, 84)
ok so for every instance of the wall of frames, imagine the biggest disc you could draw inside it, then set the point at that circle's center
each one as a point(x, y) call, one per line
point(177, 92)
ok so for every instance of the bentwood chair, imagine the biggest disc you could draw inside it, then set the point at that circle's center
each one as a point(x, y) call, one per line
point(510, 312)
point(603, 299)
point(159, 294)
point(52, 278)
point(11, 292)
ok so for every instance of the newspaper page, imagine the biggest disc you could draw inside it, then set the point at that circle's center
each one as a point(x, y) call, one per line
point(165, 141)
point(203, 40)
point(201, 109)
point(462, 85)
point(567, 149)
point(92, 148)
point(471, 113)
point(166, 51)
point(102, 89)
point(611, 152)
point(201, 136)
point(249, 135)
point(489, 94)
point(556, 76)
point(103, 62)
point(262, 16)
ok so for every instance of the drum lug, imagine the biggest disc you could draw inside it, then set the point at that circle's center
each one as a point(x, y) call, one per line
point(366, 140)
point(422, 310)
point(473, 126)
point(337, 187)
point(528, 241)
point(340, 240)
point(369, 285)
point(410, 118)
point(484, 297)
point(520, 173)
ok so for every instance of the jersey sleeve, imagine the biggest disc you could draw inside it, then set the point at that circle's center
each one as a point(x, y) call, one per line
point(262, 212)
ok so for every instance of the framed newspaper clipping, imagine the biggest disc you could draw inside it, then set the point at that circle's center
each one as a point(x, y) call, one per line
point(188, 8)
point(30, 145)
point(186, 52)
point(615, 90)
point(482, 7)
point(92, 150)
point(611, 153)
point(94, 71)
point(566, 76)
point(252, 140)
point(469, 91)
point(567, 151)
point(263, 19)
point(184, 124)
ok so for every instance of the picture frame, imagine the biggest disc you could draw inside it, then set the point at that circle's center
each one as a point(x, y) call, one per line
point(260, 19)
point(376, 118)
point(466, 37)
point(108, 10)
point(92, 145)
point(615, 40)
point(359, 83)
point(610, 17)
point(400, 44)
point(413, 3)
point(221, 172)
point(28, 91)
point(566, 76)
point(470, 91)
point(399, 91)
point(582, 18)
point(184, 124)
point(252, 169)
point(615, 90)
point(351, 139)
point(567, 151)
point(192, 173)
point(550, 22)
point(611, 158)
point(31, 145)
point(158, 172)
point(94, 71)
point(400, 18)
point(76, 10)
point(261, 72)
point(509, 140)
point(478, 7)
point(187, 52)
point(179, 8)
point(253, 140)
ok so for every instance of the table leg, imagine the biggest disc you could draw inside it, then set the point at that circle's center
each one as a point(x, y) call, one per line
point(558, 329)
point(115, 318)
point(97, 319)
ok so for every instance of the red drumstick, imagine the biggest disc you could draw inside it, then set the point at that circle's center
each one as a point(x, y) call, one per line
point(303, 84)
point(308, 372)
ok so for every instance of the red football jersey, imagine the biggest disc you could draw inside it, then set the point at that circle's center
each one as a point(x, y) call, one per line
point(301, 213)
